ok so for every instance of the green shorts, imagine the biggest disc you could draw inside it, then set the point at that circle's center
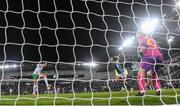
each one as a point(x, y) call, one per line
point(35, 76)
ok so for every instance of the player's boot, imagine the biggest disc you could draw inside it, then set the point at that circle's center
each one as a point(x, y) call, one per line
point(140, 94)
point(122, 89)
point(48, 87)
point(34, 94)
point(158, 93)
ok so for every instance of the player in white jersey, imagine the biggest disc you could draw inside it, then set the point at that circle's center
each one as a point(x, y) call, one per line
point(38, 75)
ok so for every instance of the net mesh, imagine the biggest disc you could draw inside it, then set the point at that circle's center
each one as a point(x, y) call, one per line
point(78, 39)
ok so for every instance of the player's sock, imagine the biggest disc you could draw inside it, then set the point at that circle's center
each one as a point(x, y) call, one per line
point(34, 89)
point(140, 94)
point(158, 93)
point(46, 81)
point(37, 89)
point(156, 82)
point(122, 89)
point(141, 83)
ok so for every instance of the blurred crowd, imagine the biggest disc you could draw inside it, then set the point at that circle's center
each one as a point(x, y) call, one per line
point(80, 87)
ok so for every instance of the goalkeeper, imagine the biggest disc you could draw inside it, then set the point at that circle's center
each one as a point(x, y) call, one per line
point(38, 75)
point(152, 55)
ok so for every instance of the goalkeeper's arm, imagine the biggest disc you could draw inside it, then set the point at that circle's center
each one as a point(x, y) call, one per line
point(142, 49)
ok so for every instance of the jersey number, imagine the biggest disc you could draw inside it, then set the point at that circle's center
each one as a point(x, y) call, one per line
point(151, 43)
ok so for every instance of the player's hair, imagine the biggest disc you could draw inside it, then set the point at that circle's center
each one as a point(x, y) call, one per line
point(115, 58)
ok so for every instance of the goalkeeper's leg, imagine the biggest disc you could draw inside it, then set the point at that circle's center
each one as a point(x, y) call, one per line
point(141, 82)
point(156, 83)
point(145, 66)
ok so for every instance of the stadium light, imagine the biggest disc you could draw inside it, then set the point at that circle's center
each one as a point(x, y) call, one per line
point(149, 25)
point(14, 66)
point(120, 48)
point(8, 66)
point(90, 64)
point(127, 43)
point(171, 38)
point(178, 3)
point(4, 66)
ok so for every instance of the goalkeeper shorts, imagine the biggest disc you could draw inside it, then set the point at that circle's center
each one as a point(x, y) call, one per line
point(35, 76)
point(150, 63)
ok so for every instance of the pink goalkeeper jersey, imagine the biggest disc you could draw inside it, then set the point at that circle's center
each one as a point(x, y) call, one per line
point(152, 48)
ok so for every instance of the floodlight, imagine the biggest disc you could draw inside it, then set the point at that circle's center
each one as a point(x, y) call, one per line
point(78, 64)
point(178, 3)
point(132, 37)
point(14, 66)
point(149, 25)
point(90, 64)
point(171, 38)
point(127, 43)
point(7, 66)
point(120, 48)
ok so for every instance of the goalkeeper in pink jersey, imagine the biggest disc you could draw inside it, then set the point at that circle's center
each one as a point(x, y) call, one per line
point(151, 59)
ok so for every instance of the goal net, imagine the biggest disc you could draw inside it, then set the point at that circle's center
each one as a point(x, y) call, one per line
point(83, 43)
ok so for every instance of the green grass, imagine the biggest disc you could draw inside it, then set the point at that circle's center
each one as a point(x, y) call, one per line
point(99, 98)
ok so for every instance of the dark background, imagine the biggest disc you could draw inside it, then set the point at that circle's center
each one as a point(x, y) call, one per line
point(75, 30)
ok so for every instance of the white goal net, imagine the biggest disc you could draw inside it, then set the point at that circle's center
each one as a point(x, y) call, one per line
point(92, 52)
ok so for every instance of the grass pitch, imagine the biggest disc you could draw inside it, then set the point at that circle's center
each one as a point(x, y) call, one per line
point(169, 96)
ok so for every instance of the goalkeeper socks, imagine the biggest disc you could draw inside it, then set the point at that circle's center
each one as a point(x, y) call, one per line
point(141, 83)
point(156, 82)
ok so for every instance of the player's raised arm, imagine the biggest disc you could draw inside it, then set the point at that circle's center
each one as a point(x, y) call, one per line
point(43, 64)
point(142, 42)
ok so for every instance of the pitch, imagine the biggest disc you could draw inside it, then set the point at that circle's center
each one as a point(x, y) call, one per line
point(169, 96)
